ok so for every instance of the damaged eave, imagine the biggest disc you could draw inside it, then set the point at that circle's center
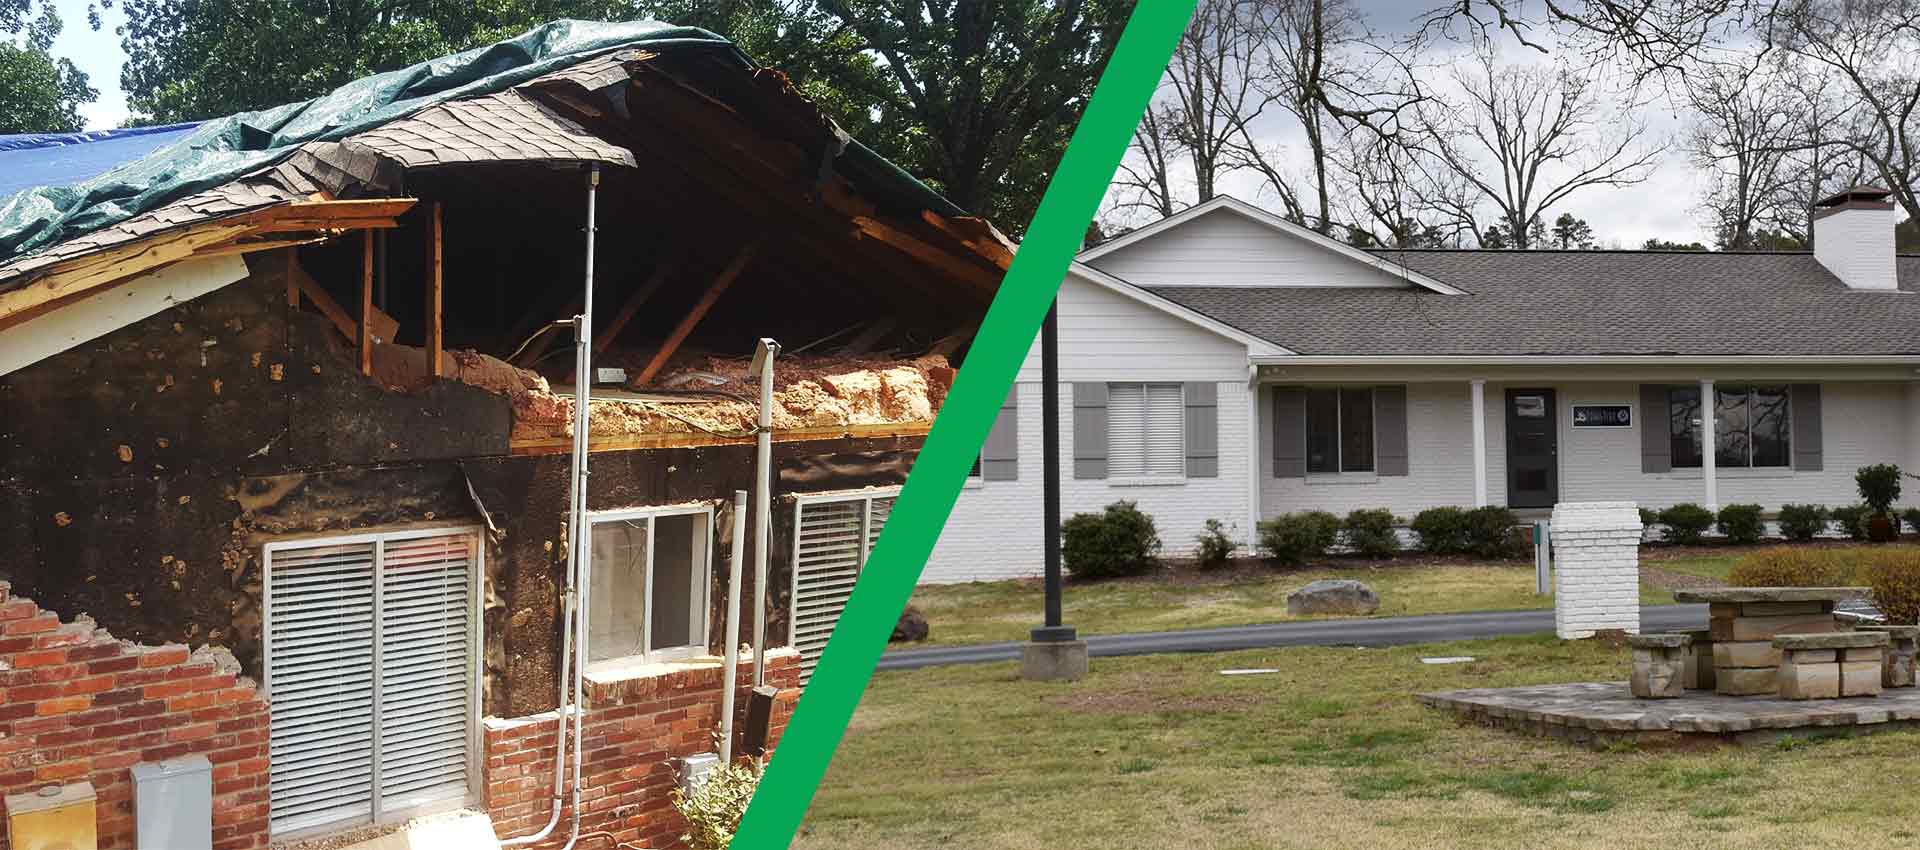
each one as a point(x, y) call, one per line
point(283, 225)
point(681, 440)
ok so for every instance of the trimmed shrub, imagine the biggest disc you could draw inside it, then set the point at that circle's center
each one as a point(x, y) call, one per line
point(1491, 533)
point(1879, 487)
point(1649, 518)
point(1442, 531)
point(1369, 532)
point(1895, 578)
point(1120, 541)
point(1852, 520)
point(1742, 524)
point(713, 809)
point(1912, 516)
point(1294, 538)
point(1685, 523)
point(1787, 566)
point(1213, 547)
point(1802, 522)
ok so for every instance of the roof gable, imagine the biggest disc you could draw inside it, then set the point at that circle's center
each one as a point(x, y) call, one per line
point(1225, 242)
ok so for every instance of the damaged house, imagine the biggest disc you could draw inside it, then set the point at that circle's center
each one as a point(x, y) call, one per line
point(286, 446)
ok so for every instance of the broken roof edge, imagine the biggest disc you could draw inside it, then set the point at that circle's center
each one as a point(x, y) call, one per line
point(226, 149)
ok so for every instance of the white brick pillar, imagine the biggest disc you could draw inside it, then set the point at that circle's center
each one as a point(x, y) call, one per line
point(1596, 568)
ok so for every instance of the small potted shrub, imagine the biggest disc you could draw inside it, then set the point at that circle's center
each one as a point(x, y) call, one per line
point(1741, 524)
point(1212, 547)
point(1370, 533)
point(1802, 523)
point(1686, 524)
point(1442, 531)
point(1292, 539)
point(1879, 489)
point(1120, 541)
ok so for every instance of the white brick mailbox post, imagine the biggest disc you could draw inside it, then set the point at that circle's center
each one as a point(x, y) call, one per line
point(1596, 568)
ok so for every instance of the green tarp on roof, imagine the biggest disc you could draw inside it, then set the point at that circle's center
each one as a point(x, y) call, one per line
point(227, 148)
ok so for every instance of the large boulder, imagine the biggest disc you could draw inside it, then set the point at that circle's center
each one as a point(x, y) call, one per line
point(1333, 596)
point(912, 627)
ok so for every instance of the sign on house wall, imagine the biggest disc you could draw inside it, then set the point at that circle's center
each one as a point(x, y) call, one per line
point(1603, 416)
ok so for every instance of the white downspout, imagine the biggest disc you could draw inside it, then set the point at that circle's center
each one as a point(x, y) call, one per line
point(731, 638)
point(572, 656)
point(763, 505)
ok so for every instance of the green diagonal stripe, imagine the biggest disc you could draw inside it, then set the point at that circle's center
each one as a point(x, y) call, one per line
point(1005, 336)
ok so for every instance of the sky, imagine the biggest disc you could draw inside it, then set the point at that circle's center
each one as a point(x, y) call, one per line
point(1663, 206)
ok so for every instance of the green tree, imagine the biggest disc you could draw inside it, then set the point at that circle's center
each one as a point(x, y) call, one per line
point(1658, 244)
point(1571, 233)
point(38, 93)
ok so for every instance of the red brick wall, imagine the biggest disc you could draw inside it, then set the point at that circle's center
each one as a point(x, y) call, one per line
point(77, 704)
point(634, 731)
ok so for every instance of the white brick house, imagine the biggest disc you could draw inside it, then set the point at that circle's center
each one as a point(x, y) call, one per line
point(1224, 363)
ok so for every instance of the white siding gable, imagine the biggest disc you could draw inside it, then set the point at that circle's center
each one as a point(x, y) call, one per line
point(1107, 336)
point(1223, 247)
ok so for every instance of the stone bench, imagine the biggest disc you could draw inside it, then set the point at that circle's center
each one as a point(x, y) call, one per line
point(1659, 665)
point(1827, 666)
point(1901, 641)
point(1744, 621)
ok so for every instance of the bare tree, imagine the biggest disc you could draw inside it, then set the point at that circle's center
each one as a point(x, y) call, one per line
point(1526, 138)
point(1395, 195)
point(1743, 131)
point(1144, 180)
point(1654, 38)
point(1872, 50)
point(1322, 64)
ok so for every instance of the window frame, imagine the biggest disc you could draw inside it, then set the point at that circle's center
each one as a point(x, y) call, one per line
point(476, 652)
point(703, 604)
point(1339, 431)
point(1147, 477)
point(1711, 407)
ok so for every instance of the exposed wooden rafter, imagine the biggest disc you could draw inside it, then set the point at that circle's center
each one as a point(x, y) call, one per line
point(698, 312)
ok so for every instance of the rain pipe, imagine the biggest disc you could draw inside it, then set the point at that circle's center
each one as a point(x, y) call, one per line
point(730, 639)
point(572, 657)
point(763, 506)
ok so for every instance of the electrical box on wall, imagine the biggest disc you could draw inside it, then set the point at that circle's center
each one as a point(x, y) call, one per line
point(57, 817)
point(173, 803)
point(695, 769)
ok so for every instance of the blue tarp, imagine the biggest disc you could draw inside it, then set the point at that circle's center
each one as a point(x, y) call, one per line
point(223, 149)
point(57, 159)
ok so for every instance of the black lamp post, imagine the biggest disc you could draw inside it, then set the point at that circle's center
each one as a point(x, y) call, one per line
point(1053, 631)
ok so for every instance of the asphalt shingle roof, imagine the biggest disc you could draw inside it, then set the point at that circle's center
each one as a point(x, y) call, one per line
point(1583, 303)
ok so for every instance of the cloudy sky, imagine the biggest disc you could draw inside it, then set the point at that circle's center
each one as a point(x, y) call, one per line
point(1663, 206)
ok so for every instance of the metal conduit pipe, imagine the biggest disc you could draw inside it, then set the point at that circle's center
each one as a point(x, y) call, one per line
point(763, 507)
point(730, 639)
point(573, 655)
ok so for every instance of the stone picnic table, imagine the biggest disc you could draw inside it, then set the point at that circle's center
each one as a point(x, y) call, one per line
point(1743, 622)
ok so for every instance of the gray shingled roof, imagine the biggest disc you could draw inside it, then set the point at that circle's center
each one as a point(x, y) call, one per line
point(1583, 303)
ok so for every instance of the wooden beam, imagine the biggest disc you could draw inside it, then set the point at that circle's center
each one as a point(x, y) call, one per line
point(366, 304)
point(85, 273)
point(632, 306)
point(435, 326)
point(384, 327)
point(368, 209)
point(982, 240)
point(289, 225)
point(911, 245)
point(692, 439)
point(698, 312)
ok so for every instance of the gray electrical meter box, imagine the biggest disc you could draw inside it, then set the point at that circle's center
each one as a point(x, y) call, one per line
point(173, 804)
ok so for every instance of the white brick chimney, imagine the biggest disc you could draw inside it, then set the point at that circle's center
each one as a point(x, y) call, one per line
point(1853, 238)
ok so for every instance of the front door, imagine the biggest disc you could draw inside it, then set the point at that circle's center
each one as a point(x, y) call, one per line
point(1533, 448)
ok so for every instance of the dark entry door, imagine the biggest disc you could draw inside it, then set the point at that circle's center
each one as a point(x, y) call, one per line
point(1533, 448)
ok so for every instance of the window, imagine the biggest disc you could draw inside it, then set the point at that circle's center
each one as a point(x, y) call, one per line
point(1752, 427)
point(372, 681)
point(649, 574)
point(1146, 431)
point(833, 533)
point(1339, 430)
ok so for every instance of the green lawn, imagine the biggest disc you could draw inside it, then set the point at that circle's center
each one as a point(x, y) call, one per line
point(1332, 752)
point(1005, 610)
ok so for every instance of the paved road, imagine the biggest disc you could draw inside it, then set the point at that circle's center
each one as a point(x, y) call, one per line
point(1384, 631)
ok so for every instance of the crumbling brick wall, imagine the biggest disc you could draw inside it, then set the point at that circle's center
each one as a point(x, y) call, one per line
point(80, 705)
point(635, 731)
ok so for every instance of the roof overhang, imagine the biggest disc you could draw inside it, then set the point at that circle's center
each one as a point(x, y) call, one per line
point(1257, 348)
point(1229, 204)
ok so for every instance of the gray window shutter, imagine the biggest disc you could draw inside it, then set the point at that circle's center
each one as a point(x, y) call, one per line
point(1656, 450)
point(1808, 456)
point(1289, 432)
point(1203, 430)
point(1000, 455)
point(1390, 430)
point(1090, 430)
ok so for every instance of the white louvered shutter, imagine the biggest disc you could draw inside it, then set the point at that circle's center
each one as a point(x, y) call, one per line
point(1126, 430)
point(369, 677)
point(425, 669)
point(320, 624)
point(828, 552)
point(878, 509)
